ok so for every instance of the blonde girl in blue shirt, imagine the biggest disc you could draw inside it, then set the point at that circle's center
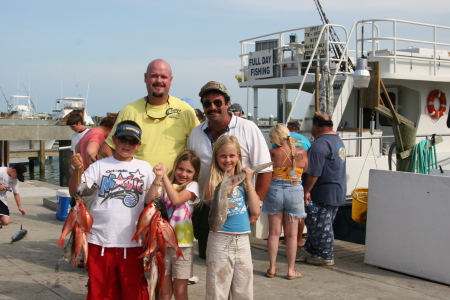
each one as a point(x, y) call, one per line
point(228, 256)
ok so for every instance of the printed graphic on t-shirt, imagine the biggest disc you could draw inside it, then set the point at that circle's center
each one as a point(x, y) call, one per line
point(122, 185)
point(173, 113)
point(341, 152)
point(242, 208)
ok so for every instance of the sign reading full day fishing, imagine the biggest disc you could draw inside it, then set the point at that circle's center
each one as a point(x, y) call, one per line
point(312, 35)
point(260, 64)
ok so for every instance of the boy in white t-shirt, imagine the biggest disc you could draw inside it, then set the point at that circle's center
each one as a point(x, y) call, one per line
point(9, 181)
point(114, 269)
point(76, 122)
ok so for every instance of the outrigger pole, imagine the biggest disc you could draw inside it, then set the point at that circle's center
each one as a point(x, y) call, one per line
point(337, 48)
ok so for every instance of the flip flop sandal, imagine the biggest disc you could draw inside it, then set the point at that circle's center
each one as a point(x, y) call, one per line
point(268, 275)
point(296, 276)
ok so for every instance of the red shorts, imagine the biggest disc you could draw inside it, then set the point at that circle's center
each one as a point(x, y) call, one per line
point(112, 276)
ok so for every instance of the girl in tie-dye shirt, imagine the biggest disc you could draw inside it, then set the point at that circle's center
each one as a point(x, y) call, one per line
point(179, 190)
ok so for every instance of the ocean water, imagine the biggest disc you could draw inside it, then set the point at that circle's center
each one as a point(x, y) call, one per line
point(51, 171)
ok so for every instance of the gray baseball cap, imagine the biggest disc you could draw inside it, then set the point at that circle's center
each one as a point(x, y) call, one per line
point(235, 107)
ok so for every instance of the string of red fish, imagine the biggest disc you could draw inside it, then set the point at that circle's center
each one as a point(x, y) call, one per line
point(156, 234)
point(79, 221)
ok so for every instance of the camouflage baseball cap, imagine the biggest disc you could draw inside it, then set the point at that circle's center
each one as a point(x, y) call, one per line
point(213, 85)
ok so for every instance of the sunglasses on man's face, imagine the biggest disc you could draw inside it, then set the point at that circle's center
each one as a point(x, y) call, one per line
point(124, 140)
point(217, 103)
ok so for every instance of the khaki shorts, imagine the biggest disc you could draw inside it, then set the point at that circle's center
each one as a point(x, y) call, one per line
point(181, 268)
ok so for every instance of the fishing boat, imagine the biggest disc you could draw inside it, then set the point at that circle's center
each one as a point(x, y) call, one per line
point(384, 84)
point(65, 105)
point(414, 70)
point(22, 108)
point(22, 112)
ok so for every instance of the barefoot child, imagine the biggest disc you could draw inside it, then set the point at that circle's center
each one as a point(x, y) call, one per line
point(179, 190)
point(114, 269)
point(228, 256)
point(9, 181)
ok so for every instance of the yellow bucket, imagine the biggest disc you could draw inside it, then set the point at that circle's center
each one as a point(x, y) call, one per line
point(359, 205)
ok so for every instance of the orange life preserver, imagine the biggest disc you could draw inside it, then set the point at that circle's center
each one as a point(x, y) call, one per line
point(436, 114)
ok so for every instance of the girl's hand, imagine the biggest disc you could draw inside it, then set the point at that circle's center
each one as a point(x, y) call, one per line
point(249, 172)
point(160, 169)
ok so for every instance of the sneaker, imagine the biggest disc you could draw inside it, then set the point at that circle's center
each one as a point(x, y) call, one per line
point(302, 255)
point(319, 261)
point(193, 280)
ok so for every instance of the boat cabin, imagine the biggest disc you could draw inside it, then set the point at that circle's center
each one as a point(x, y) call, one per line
point(410, 59)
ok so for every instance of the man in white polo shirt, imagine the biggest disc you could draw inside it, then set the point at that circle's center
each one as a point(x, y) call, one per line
point(216, 101)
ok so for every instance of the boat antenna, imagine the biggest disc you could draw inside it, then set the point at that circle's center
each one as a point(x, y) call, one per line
point(61, 89)
point(8, 103)
point(30, 103)
point(4, 96)
point(28, 93)
point(337, 48)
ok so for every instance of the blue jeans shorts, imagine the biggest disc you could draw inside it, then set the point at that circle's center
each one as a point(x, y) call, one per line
point(284, 197)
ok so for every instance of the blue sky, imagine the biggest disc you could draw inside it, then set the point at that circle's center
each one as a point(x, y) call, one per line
point(54, 46)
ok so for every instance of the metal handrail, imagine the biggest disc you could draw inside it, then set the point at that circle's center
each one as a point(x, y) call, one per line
point(376, 38)
point(383, 137)
point(244, 54)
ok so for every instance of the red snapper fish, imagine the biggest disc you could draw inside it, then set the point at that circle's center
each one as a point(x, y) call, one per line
point(82, 216)
point(167, 231)
point(161, 270)
point(81, 244)
point(68, 226)
point(161, 242)
point(143, 221)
